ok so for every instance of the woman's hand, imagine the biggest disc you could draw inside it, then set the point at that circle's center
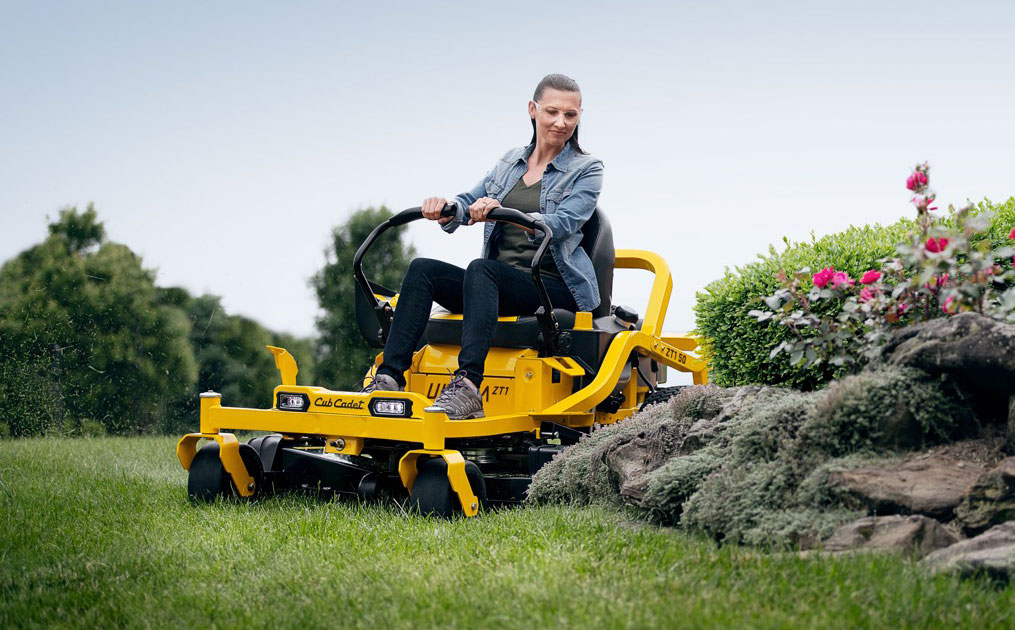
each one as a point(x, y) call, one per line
point(481, 208)
point(432, 207)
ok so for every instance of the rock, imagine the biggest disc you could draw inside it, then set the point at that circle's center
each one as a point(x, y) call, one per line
point(989, 501)
point(631, 462)
point(992, 553)
point(976, 351)
point(1010, 429)
point(930, 486)
point(918, 535)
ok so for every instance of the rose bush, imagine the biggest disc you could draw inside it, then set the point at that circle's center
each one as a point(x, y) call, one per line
point(941, 269)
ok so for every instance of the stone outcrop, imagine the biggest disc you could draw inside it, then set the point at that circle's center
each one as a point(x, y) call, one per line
point(915, 441)
point(976, 351)
point(631, 462)
point(917, 535)
point(932, 486)
point(989, 501)
point(991, 553)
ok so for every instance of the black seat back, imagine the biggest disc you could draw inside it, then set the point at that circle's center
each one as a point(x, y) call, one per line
point(597, 241)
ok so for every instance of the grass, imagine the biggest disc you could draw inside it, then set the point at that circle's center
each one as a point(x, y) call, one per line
point(97, 533)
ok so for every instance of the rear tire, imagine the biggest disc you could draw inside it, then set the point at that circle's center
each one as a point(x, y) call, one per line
point(432, 494)
point(660, 395)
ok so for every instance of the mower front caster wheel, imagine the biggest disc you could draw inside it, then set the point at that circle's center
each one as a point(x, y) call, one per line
point(208, 479)
point(432, 494)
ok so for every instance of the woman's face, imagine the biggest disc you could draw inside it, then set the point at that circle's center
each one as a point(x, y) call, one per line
point(556, 115)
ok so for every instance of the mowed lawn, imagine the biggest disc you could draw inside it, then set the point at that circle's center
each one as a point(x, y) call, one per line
point(98, 533)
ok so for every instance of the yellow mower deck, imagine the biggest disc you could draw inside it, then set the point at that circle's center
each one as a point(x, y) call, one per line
point(521, 390)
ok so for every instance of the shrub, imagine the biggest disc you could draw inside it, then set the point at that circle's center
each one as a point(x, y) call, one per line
point(92, 428)
point(738, 346)
point(944, 267)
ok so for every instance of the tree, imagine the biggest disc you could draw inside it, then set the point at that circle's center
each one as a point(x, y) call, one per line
point(88, 342)
point(83, 337)
point(231, 357)
point(343, 356)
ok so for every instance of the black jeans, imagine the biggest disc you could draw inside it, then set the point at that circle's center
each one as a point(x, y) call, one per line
point(481, 293)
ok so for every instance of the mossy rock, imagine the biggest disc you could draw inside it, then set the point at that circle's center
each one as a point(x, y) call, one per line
point(750, 465)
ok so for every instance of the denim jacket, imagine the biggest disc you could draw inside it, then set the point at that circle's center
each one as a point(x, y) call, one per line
point(567, 199)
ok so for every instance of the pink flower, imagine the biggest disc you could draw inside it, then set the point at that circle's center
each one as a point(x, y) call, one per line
point(866, 295)
point(841, 279)
point(936, 245)
point(937, 281)
point(915, 180)
point(947, 306)
point(823, 277)
point(1012, 234)
point(922, 202)
point(870, 276)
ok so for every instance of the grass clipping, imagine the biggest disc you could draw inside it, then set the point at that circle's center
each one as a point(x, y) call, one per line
point(749, 464)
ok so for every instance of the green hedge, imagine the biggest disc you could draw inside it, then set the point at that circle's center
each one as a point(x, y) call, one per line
point(738, 346)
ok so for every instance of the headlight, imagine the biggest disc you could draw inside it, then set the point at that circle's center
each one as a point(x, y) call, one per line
point(394, 407)
point(293, 402)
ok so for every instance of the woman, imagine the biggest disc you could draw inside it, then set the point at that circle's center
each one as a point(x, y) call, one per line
point(552, 176)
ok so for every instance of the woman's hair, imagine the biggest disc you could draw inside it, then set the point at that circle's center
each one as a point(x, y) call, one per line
point(564, 84)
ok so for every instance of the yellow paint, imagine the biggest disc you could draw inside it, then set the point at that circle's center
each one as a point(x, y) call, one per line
point(458, 317)
point(519, 392)
point(659, 298)
point(565, 365)
point(229, 453)
point(286, 365)
point(684, 342)
point(457, 476)
point(349, 445)
point(583, 320)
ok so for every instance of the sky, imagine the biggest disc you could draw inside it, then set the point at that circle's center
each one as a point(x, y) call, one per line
point(224, 141)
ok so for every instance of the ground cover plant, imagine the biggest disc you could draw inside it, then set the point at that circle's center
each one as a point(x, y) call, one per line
point(98, 533)
point(749, 465)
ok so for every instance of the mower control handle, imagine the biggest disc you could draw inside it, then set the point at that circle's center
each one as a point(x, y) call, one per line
point(547, 320)
point(507, 215)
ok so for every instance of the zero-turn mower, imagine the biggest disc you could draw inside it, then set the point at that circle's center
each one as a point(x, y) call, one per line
point(549, 379)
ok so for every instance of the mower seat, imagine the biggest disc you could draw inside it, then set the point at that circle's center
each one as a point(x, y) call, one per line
point(523, 331)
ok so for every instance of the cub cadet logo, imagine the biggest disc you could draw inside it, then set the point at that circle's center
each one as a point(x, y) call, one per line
point(338, 403)
point(434, 389)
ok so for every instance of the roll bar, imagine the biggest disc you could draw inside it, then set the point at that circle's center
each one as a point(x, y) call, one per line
point(384, 313)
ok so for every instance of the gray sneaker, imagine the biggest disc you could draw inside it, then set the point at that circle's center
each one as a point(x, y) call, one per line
point(382, 383)
point(460, 399)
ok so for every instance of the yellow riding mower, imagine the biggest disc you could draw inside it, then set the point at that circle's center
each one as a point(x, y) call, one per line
point(549, 379)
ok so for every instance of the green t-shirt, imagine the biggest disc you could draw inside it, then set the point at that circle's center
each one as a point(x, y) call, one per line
point(513, 246)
